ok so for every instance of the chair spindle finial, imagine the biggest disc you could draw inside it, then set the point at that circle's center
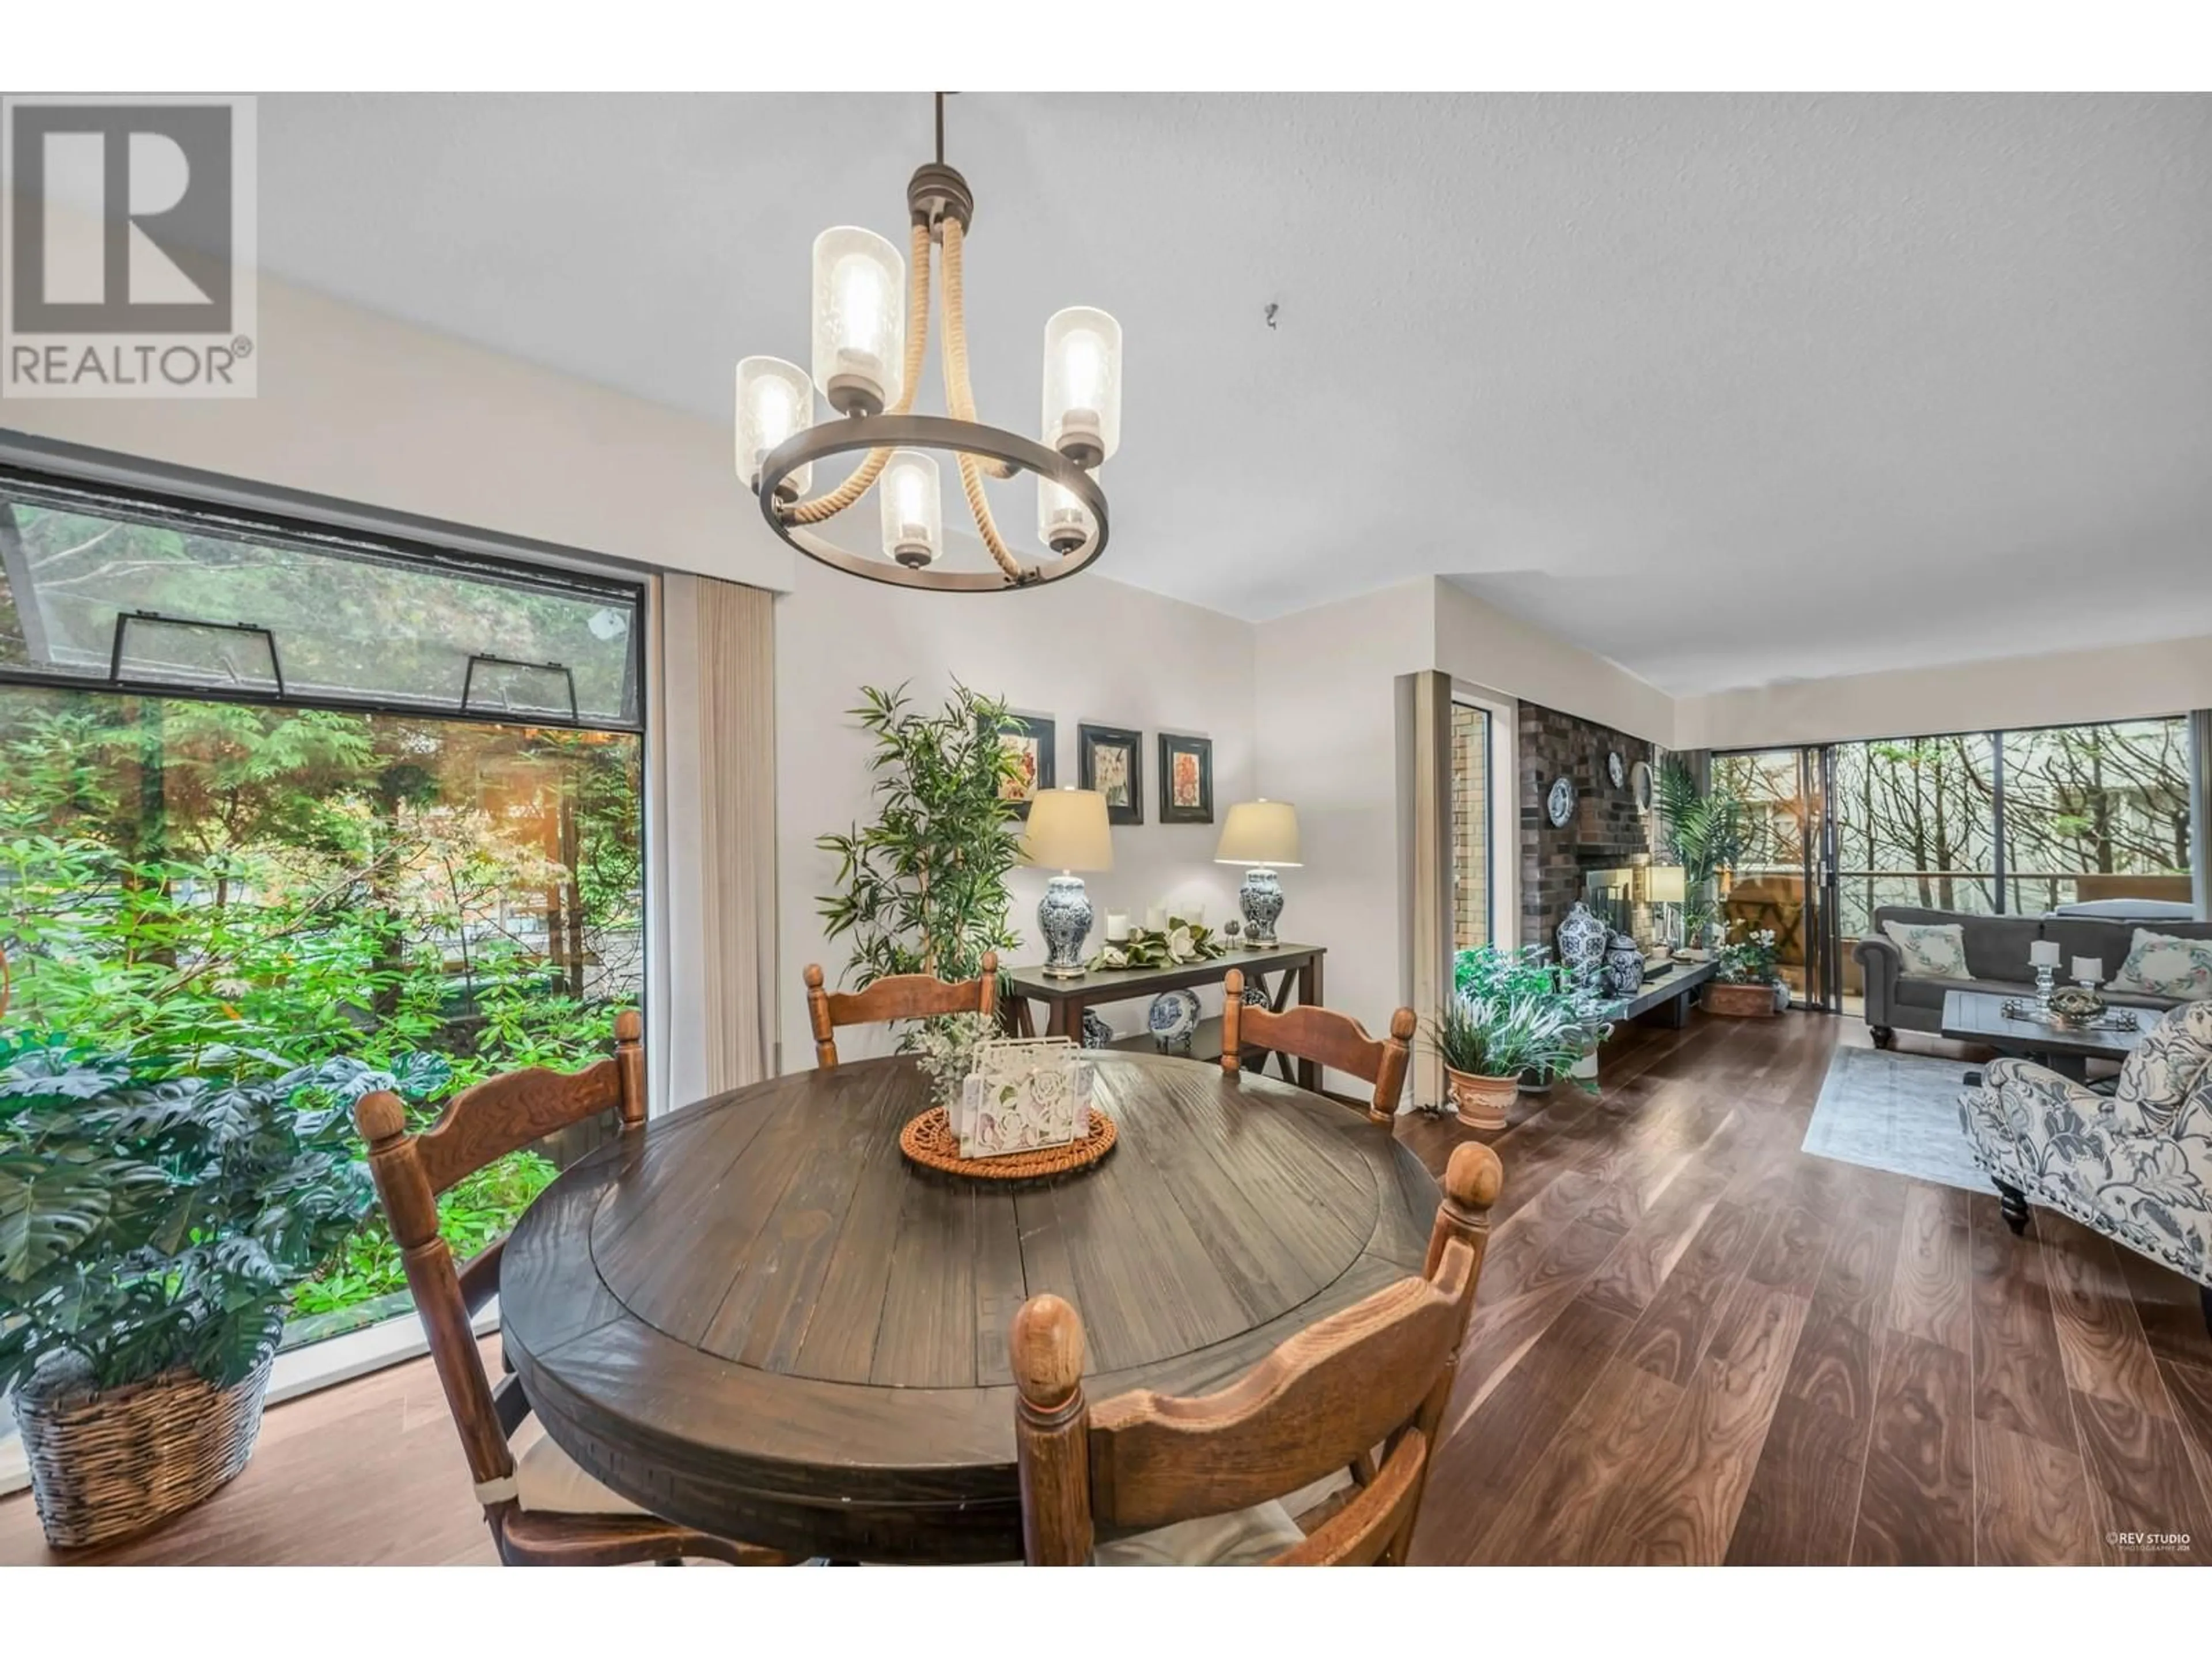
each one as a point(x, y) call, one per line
point(1046, 1352)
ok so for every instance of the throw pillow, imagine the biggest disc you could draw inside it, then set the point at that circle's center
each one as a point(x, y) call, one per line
point(2161, 965)
point(1934, 950)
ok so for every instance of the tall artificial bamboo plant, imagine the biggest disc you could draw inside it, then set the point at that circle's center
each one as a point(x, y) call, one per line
point(923, 889)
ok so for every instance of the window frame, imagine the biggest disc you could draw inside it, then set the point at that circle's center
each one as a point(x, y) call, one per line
point(1504, 828)
point(277, 521)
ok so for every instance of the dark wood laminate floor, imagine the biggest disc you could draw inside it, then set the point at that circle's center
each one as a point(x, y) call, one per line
point(1692, 1343)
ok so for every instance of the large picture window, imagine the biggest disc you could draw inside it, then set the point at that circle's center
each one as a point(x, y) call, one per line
point(1988, 823)
point(264, 787)
point(2014, 822)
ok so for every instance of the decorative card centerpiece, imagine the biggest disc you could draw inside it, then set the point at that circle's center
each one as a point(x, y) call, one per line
point(1024, 1093)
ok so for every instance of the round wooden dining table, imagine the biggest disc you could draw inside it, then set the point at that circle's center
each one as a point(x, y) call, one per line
point(757, 1318)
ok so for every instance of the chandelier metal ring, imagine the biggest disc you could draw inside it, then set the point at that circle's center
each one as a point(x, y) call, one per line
point(931, 432)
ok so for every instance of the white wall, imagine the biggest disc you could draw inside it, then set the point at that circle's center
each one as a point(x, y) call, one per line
point(1090, 650)
point(368, 409)
point(1323, 685)
point(1476, 642)
point(2056, 688)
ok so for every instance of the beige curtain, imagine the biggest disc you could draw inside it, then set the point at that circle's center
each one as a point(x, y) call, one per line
point(722, 638)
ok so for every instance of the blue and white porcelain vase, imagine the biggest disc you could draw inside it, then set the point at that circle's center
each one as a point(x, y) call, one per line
point(1064, 919)
point(1583, 938)
point(1171, 1019)
point(1261, 898)
point(1624, 967)
point(1097, 1033)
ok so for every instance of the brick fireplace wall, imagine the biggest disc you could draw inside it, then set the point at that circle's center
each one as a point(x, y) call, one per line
point(1606, 831)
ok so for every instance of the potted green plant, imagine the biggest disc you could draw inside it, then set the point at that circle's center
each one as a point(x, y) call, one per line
point(1488, 970)
point(1710, 830)
point(923, 889)
point(1748, 985)
point(1487, 1040)
point(154, 1222)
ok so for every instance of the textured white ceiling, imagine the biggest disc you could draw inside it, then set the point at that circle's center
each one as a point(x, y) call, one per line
point(1730, 389)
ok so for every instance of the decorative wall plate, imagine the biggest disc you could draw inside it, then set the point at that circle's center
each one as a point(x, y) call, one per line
point(1614, 769)
point(1560, 803)
point(1640, 785)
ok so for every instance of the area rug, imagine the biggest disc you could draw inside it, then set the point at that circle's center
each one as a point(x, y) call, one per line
point(1895, 1112)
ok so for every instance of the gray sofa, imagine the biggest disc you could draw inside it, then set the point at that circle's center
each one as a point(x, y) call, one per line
point(1996, 957)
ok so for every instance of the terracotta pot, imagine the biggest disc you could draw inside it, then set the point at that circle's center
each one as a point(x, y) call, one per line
point(1481, 1101)
point(1739, 1001)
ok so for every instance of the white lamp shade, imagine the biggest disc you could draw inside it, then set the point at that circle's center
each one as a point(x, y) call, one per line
point(1064, 524)
point(913, 515)
point(775, 402)
point(1083, 384)
point(1068, 830)
point(859, 319)
point(1669, 884)
point(1260, 832)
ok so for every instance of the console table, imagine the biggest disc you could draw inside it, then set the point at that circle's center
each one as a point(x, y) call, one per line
point(1066, 999)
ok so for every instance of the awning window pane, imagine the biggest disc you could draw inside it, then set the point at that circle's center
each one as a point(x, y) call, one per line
point(209, 600)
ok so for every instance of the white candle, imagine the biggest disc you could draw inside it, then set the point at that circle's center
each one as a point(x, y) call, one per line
point(1155, 918)
point(1117, 926)
point(2090, 970)
point(2044, 953)
point(1194, 914)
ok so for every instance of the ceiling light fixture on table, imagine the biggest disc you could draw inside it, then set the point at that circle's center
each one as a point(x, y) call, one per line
point(870, 332)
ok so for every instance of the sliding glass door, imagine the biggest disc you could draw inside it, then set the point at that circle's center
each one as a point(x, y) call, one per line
point(1785, 884)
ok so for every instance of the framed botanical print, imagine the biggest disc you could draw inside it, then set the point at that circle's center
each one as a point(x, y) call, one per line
point(1111, 760)
point(1030, 738)
point(1185, 779)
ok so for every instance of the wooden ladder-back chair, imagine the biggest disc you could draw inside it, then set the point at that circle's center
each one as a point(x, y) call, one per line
point(1322, 1034)
point(543, 1510)
point(901, 996)
point(1157, 1474)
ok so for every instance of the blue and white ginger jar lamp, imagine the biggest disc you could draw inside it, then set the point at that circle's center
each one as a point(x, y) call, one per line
point(1263, 836)
point(1068, 830)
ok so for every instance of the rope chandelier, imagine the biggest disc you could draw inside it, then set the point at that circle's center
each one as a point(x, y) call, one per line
point(871, 335)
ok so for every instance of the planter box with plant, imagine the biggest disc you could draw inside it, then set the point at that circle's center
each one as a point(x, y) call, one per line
point(154, 1222)
point(1748, 985)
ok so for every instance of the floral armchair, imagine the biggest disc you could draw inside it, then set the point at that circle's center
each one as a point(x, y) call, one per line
point(2136, 1165)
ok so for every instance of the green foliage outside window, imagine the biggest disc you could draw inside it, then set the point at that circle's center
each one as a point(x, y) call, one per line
point(182, 881)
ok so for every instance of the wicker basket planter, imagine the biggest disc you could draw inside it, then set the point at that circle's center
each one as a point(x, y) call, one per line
point(1753, 1001)
point(107, 1463)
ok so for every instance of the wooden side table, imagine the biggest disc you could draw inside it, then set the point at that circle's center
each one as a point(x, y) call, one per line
point(1067, 1000)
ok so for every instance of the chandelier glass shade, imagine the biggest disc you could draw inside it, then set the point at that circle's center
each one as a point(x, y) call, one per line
point(871, 318)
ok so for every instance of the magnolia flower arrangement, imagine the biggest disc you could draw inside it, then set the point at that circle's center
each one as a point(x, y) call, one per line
point(1178, 943)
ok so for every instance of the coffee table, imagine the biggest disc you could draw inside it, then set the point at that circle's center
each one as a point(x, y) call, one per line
point(1979, 1017)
